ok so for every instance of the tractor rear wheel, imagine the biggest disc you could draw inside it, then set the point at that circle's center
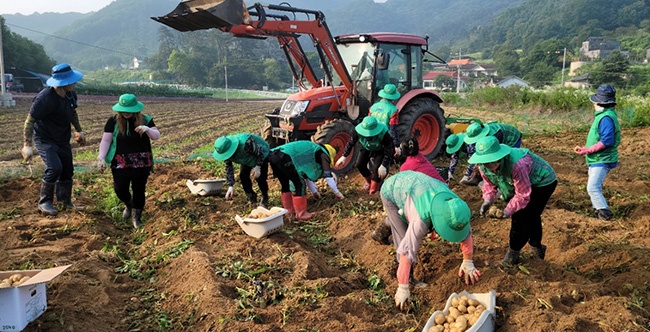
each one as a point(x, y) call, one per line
point(337, 133)
point(423, 119)
point(267, 132)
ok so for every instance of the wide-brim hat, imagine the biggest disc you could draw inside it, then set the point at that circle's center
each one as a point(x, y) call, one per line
point(332, 153)
point(389, 92)
point(63, 75)
point(369, 127)
point(128, 103)
point(450, 216)
point(224, 148)
point(475, 132)
point(454, 142)
point(605, 94)
point(488, 149)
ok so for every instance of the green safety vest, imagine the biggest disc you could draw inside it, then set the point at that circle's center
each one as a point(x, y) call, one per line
point(303, 156)
point(610, 153)
point(511, 135)
point(373, 143)
point(383, 110)
point(541, 172)
point(111, 150)
point(244, 158)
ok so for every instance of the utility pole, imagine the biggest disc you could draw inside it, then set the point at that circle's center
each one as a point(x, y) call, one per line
point(458, 78)
point(225, 70)
point(563, 64)
point(5, 97)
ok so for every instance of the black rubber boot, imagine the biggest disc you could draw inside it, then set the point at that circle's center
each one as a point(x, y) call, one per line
point(511, 258)
point(540, 251)
point(64, 195)
point(252, 198)
point(126, 214)
point(265, 200)
point(605, 214)
point(382, 233)
point(47, 196)
point(135, 218)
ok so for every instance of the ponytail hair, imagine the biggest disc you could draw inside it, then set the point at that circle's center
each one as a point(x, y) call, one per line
point(410, 147)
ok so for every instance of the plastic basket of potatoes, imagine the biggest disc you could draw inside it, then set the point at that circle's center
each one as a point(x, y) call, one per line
point(465, 312)
point(262, 222)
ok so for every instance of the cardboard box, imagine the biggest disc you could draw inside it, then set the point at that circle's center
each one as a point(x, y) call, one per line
point(23, 304)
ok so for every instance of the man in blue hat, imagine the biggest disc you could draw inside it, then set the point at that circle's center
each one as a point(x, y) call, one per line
point(48, 126)
point(601, 150)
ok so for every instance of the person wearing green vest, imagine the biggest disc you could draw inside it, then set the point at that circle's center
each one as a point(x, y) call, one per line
point(417, 204)
point(386, 112)
point(251, 152)
point(526, 182)
point(376, 151)
point(299, 163)
point(126, 148)
point(506, 134)
point(602, 152)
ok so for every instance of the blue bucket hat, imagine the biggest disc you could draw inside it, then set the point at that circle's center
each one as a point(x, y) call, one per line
point(128, 103)
point(488, 149)
point(63, 75)
point(605, 94)
point(389, 92)
point(475, 132)
point(224, 148)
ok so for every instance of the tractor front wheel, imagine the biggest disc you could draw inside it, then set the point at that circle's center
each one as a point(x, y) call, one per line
point(337, 133)
point(423, 119)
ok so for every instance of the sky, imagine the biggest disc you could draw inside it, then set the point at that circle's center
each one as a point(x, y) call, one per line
point(27, 7)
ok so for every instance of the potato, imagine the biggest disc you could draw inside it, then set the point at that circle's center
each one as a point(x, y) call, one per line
point(461, 323)
point(276, 209)
point(439, 319)
point(454, 301)
point(462, 309)
point(462, 302)
point(450, 319)
point(473, 302)
point(21, 281)
point(472, 320)
point(480, 307)
point(464, 297)
point(15, 277)
point(436, 328)
point(7, 280)
point(4, 285)
point(471, 309)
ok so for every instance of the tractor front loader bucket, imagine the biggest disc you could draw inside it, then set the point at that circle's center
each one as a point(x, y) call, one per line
point(191, 15)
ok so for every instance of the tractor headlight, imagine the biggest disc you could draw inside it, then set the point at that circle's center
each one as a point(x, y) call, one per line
point(293, 108)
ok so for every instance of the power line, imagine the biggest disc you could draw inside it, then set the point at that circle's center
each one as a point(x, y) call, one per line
point(72, 41)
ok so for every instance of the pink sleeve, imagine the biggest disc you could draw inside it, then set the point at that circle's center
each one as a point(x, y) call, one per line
point(521, 181)
point(403, 270)
point(104, 145)
point(489, 189)
point(467, 245)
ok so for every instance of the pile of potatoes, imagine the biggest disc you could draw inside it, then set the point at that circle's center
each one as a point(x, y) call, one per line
point(261, 213)
point(14, 281)
point(495, 212)
point(463, 314)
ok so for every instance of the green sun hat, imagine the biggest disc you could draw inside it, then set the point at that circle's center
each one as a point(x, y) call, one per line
point(369, 127)
point(488, 149)
point(454, 142)
point(450, 216)
point(475, 132)
point(224, 148)
point(128, 103)
point(389, 92)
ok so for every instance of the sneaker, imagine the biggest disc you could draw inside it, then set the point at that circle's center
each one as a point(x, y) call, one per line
point(604, 214)
point(540, 251)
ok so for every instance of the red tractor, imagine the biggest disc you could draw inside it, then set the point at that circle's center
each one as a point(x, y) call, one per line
point(354, 68)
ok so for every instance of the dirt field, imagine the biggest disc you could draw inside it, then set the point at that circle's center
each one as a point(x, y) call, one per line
point(192, 268)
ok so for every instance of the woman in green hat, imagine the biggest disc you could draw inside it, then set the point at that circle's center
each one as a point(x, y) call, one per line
point(526, 182)
point(455, 145)
point(376, 145)
point(126, 148)
point(298, 163)
point(417, 204)
point(506, 134)
point(386, 112)
point(251, 152)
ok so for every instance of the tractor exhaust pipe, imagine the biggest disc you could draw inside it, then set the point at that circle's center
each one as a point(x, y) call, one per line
point(191, 15)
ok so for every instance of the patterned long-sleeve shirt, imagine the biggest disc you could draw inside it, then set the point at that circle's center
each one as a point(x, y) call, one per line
point(251, 148)
point(470, 148)
point(521, 181)
point(386, 142)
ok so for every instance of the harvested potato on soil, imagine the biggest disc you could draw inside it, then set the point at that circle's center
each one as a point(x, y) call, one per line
point(462, 314)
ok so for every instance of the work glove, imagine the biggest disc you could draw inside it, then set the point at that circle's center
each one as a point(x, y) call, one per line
point(341, 161)
point(450, 176)
point(80, 138)
point(101, 164)
point(230, 193)
point(465, 179)
point(402, 296)
point(257, 171)
point(484, 208)
point(382, 172)
point(141, 129)
point(469, 271)
point(27, 152)
point(339, 195)
point(398, 152)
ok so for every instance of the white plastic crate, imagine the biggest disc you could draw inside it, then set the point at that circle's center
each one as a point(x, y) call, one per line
point(206, 187)
point(261, 227)
point(486, 321)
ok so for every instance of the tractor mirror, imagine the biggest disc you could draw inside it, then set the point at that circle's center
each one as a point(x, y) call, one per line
point(382, 61)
